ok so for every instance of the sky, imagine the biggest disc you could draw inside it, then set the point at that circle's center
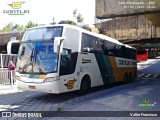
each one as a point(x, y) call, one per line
point(43, 11)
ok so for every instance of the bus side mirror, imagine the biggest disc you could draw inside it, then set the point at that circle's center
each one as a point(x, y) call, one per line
point(57, 44)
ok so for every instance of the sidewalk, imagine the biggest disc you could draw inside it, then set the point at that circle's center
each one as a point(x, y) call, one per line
point(8, 89)
point(149, 61)
point(144, 64)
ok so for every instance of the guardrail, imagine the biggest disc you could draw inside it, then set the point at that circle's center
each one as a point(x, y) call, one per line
point(5, 58)
point(7, 77)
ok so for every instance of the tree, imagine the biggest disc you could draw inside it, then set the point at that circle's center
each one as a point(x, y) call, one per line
point(31, 24)
point(74, 13)
point(7, 28)
point(78, 16)
point(67, 22)
point(16, 27)
point(21, 27)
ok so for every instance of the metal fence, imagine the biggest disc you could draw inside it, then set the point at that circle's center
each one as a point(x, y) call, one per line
point(7, 77)
point(5, 58)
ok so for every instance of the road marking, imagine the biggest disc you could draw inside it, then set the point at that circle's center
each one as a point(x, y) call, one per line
point(148, 75)
point(140, 75)
point(155, 75)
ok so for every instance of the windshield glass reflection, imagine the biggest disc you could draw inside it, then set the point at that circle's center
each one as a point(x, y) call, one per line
point(37, 57)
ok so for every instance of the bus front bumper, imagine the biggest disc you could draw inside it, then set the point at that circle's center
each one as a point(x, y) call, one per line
point(48, 87)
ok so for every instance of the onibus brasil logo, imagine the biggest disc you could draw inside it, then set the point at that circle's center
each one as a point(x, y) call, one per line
point(147, 104)
point(16, 9)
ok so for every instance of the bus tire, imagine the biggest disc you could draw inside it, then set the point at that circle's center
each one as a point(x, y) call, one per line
point(125, 78)
point(85, 85)
point(130, 77)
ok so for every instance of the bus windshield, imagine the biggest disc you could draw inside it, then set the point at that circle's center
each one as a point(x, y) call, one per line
point(37, 57)
point(44, 33)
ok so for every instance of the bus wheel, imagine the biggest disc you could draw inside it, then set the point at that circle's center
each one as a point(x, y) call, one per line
point(85, 85)
point(130, 77)
point(125, 78)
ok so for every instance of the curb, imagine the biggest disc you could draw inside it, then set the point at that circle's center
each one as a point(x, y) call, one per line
point(8, 89)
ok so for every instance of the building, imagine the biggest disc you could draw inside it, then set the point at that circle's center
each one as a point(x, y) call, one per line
point(6, 37)
point(132, 22)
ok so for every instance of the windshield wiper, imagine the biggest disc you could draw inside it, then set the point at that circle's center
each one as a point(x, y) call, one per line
point(35, 55)
point(31, 57)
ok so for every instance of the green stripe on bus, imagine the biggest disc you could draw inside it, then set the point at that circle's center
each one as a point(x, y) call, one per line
point(34, 76)
point(104, 68)
point(109, 68)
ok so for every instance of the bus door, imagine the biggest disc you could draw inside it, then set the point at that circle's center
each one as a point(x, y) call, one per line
point(67, 69)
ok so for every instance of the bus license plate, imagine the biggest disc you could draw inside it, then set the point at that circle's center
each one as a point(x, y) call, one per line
point(32, 87)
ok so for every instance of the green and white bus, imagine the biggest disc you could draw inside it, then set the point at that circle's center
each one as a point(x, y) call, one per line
point(63, 58)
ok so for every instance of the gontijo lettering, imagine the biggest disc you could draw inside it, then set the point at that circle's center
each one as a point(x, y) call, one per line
point(124, 62)
point(16, 9)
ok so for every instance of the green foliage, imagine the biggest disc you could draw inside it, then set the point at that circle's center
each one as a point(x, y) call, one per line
point(67, 22)
point(78, 16)
point(59, 108)
point(7, 28)
point(21, 27)
point(12, 27)
point(74, 12)
point(30, 25)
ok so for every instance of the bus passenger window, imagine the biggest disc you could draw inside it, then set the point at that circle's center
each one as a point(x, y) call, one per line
point(98, 46)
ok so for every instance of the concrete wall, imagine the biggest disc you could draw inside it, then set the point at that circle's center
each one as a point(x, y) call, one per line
point(129, 28)
point(113, 8)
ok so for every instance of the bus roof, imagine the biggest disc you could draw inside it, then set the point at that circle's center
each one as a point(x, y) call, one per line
point(85, 31)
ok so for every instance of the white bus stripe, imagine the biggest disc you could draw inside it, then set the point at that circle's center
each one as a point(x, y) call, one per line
point(148, 75)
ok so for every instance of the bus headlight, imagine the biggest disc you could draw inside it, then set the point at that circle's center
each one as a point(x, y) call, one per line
point(18, 78)
point(51, 79)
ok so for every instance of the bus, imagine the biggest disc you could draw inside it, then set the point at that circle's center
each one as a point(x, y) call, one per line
point(142, 55)
point(12, 52)
point(63, 58)
point(13, 47)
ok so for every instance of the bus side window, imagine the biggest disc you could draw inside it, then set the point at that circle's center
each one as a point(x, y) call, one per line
point(116, 49)
point(88, 43)
point(123, 51)
point(111, 49)
point(65, 62)
point(105, 47)
point(119, 53)
point(98, 46)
